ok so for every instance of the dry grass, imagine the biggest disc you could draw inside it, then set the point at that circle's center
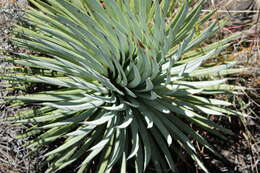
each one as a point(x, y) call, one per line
point(244, 149)
point(14, 158)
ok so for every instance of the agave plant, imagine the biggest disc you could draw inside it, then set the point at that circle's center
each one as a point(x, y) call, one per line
point(128, 83)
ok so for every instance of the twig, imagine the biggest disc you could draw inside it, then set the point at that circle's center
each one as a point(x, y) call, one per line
point(233, 11)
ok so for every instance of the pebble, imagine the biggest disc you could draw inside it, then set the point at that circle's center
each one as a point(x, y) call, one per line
point(22, 4)
point(242, 5)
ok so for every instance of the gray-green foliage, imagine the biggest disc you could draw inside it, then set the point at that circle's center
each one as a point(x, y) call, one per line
point(129, 80)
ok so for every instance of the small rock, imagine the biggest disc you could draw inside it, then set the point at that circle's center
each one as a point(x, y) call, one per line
point(22, 3)
point(241, 5)
point(257, 3)
point(2, 19)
